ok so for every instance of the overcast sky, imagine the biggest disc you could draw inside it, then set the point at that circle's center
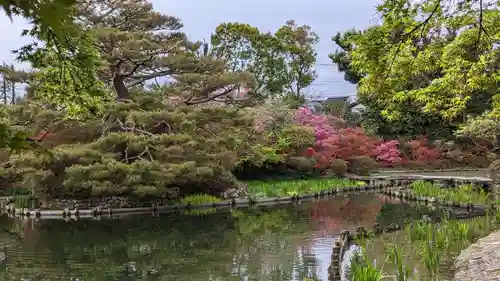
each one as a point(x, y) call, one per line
point(201, 17)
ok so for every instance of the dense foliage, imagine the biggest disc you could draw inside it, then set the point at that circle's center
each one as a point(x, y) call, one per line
point(425, 67)
point(282, 63)
point(334, 142)
point(125, 104)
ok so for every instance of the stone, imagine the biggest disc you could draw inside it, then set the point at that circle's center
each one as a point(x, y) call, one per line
point(481, 261)
point(494, 171)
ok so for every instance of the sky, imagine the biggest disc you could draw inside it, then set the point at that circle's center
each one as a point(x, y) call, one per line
point(201, 17)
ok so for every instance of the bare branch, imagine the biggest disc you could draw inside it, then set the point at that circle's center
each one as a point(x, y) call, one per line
point(206, 96)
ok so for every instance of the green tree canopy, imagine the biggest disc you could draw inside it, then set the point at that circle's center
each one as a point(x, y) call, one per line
point(439, 59)
point(139, 44)
point(441, 62)
point(282, 62)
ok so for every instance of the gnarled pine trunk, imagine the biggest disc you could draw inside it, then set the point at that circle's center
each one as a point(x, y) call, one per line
point(120, 88)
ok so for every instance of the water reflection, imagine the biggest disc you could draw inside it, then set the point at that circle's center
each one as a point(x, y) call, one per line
point(286, 243)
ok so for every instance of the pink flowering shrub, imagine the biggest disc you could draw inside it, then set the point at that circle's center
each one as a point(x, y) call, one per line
point(324, 125)
point(335, 142)
point(388, 153)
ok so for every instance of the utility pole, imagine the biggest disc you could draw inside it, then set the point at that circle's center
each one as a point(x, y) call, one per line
point(4, 88)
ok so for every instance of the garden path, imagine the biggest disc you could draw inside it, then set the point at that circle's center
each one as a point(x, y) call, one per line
point(481, 261)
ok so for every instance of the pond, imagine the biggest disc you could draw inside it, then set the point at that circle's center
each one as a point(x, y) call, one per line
point(268, 243)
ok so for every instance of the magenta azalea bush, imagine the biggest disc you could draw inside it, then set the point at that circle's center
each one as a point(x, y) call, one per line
point(388, 153)
point(333, 141)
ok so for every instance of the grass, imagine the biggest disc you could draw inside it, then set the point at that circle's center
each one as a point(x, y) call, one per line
point(395, 256)
point(462, 194)
point(198, 199)
point(278, 188)
point(432, 246)
point(361, 268)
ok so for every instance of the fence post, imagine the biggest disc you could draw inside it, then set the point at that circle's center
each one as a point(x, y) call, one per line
point(333, 269)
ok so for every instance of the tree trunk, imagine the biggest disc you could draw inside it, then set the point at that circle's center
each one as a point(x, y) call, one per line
point(13, 90)
point(120, 88)
point(4, 90)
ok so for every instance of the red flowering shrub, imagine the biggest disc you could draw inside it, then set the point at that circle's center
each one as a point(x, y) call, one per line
point(333, 142)
point(348, 143)
point(422, 153)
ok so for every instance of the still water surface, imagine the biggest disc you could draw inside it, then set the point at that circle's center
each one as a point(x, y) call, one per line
point(258, 244)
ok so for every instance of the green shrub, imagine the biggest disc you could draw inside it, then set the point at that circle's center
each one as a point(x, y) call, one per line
point(301, 164)
point(338, 167)
point(362, 165)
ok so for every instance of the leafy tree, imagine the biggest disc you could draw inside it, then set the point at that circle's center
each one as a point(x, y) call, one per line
point(49, 15)
point(298, 44)
point(438, 67)
point(407, 65)
point(245, 48)
point(412, 122)
point(65, 67)
point(48, 18)
point(68, 81)
point(341, 57)
point(139, 44)
point(281, 62)
point(11, 77)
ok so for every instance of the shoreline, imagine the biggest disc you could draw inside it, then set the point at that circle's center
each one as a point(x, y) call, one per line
point(378, 184)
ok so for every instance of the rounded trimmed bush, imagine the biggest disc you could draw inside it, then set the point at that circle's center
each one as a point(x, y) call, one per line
point(338, 167)
point(362, 165)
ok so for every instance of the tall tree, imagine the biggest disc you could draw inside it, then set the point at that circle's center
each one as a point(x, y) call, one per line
point(140, 44)
point(10, 80)
point(426, 64)
point(297, 43)
point(341, 57)
point(282, 62)
point(443, 66)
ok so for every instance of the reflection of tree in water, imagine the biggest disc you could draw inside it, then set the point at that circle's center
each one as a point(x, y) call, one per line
point(349, 212)
point(260, 245)
point(403, 212)
point(333, 216)
point(280, 253)
point(256, 244)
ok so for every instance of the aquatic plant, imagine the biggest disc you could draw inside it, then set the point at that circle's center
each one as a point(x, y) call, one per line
point(462, 194)
point(441, 239)
point(295, 187)
point(419, 231)
point(362, 270)
point(395, 256)
point(430, 257)
point(198, 199)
